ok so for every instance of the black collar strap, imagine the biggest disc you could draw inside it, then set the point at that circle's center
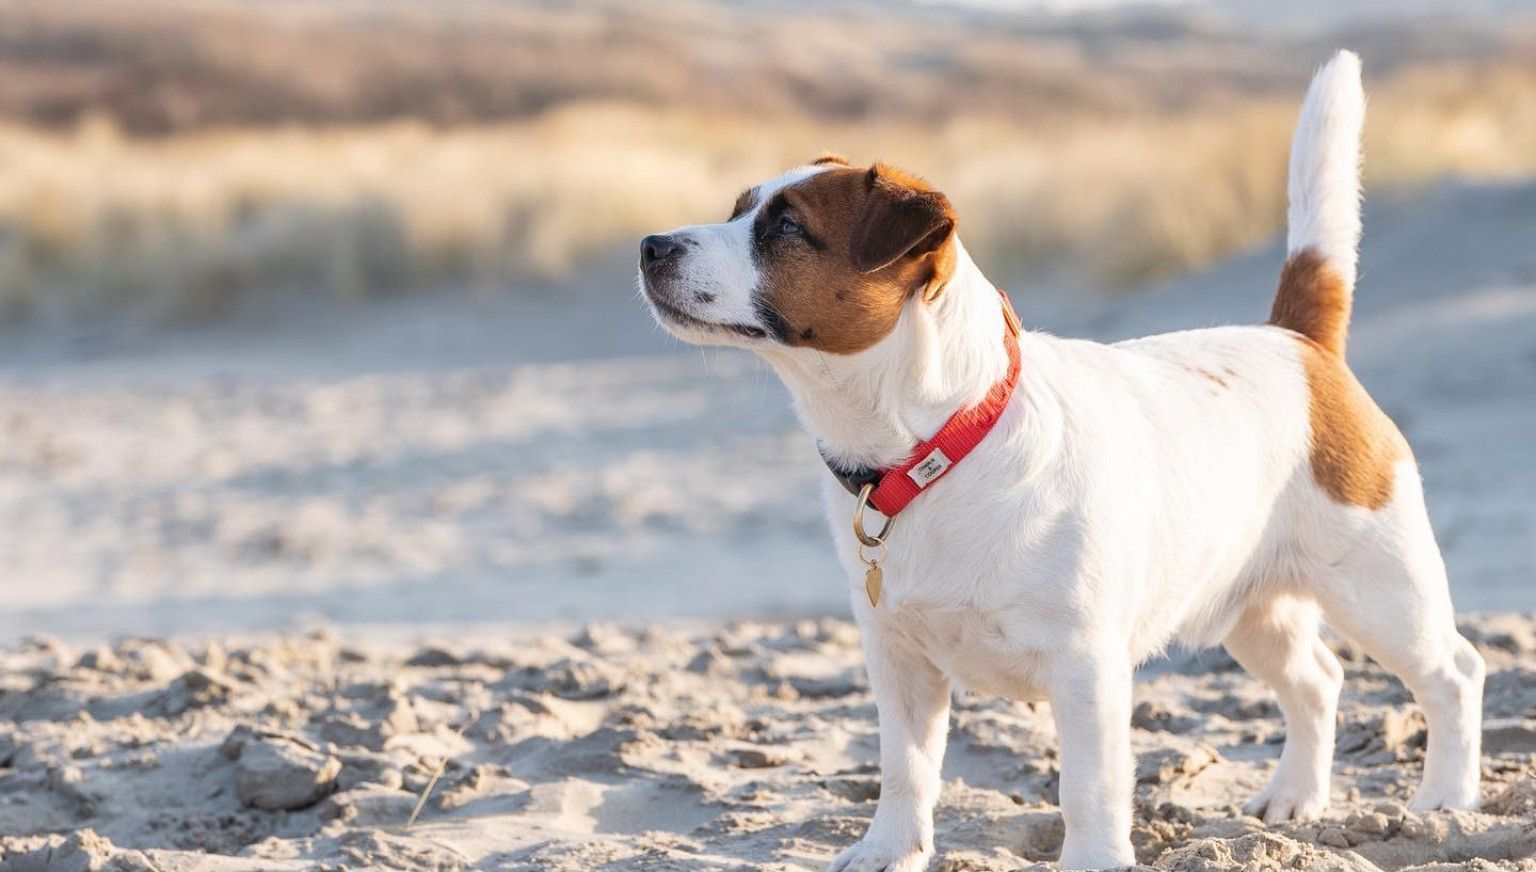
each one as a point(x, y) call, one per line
point(853, 480)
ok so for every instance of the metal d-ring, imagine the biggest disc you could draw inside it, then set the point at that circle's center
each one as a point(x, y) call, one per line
point(858, 520)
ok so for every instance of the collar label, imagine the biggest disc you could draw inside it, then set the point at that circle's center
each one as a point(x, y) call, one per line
point(929, 468)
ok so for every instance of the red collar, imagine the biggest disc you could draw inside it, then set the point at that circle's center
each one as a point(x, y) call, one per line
point(894, 488)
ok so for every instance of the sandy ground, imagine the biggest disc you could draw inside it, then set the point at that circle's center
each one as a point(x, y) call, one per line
point(743, 746)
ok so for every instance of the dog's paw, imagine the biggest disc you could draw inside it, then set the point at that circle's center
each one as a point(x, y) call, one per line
point(1281, 801)
point(1096, 857)
point(1431, 797)
point(873, 854)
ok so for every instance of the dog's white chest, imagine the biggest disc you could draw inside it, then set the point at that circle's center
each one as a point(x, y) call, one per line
point(974, 648)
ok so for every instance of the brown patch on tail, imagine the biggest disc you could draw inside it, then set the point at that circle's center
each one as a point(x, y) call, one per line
point(1313, 300)
point(1355, 446)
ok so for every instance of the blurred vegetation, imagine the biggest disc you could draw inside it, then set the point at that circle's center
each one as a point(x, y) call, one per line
point(177, 158)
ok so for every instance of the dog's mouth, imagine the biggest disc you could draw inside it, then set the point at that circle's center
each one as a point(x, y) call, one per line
point(683, 319)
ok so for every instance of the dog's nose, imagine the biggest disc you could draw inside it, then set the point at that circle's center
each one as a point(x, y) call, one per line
point(655, 249)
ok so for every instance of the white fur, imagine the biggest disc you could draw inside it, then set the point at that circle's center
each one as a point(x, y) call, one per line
point(1131, 495)
point(715, 282)
point(1324, 183)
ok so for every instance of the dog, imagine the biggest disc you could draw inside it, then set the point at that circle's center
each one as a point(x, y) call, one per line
point(1228, 486)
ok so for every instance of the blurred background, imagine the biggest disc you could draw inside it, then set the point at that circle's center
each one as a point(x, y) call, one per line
point(318, 310)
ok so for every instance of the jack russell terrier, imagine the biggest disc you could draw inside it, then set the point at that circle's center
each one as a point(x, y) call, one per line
point(1055, 511)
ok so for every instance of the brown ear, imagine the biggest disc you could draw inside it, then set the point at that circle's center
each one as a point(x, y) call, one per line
point(901, 216)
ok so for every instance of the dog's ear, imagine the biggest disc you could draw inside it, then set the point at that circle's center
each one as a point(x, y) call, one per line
point(901, 217)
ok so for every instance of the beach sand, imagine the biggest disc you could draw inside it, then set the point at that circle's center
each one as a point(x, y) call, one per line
point(730, 746)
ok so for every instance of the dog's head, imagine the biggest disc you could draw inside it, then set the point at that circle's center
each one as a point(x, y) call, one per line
point(823, 257)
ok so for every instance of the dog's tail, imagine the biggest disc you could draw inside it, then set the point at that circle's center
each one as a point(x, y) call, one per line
point(1318, 282)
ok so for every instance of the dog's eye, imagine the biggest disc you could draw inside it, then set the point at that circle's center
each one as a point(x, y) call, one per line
point(787, 226)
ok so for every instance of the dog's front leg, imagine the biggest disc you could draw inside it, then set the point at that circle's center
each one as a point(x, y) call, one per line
point(1090, 694)
point(912, 699)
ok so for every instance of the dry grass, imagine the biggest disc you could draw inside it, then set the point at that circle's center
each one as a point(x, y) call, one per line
point(172, 66)
point(179, 158)
point(186, 226)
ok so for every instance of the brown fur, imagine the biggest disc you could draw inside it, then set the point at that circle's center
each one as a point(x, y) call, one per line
point(1355, 446)
point(1313, 300)
point(1219, 381)
point(744, 201)
point(881, 235)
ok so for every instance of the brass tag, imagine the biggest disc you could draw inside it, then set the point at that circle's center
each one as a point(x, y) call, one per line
point(874, 577)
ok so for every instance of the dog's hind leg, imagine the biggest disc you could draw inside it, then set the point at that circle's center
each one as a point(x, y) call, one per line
point(1390, 596)
point(1276, 640)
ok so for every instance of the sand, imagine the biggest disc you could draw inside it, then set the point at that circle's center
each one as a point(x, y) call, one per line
point(740, 745)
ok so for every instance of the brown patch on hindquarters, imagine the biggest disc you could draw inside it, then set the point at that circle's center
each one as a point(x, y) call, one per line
point(871, 239)
point(1355, 446)
point(1313, 300)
